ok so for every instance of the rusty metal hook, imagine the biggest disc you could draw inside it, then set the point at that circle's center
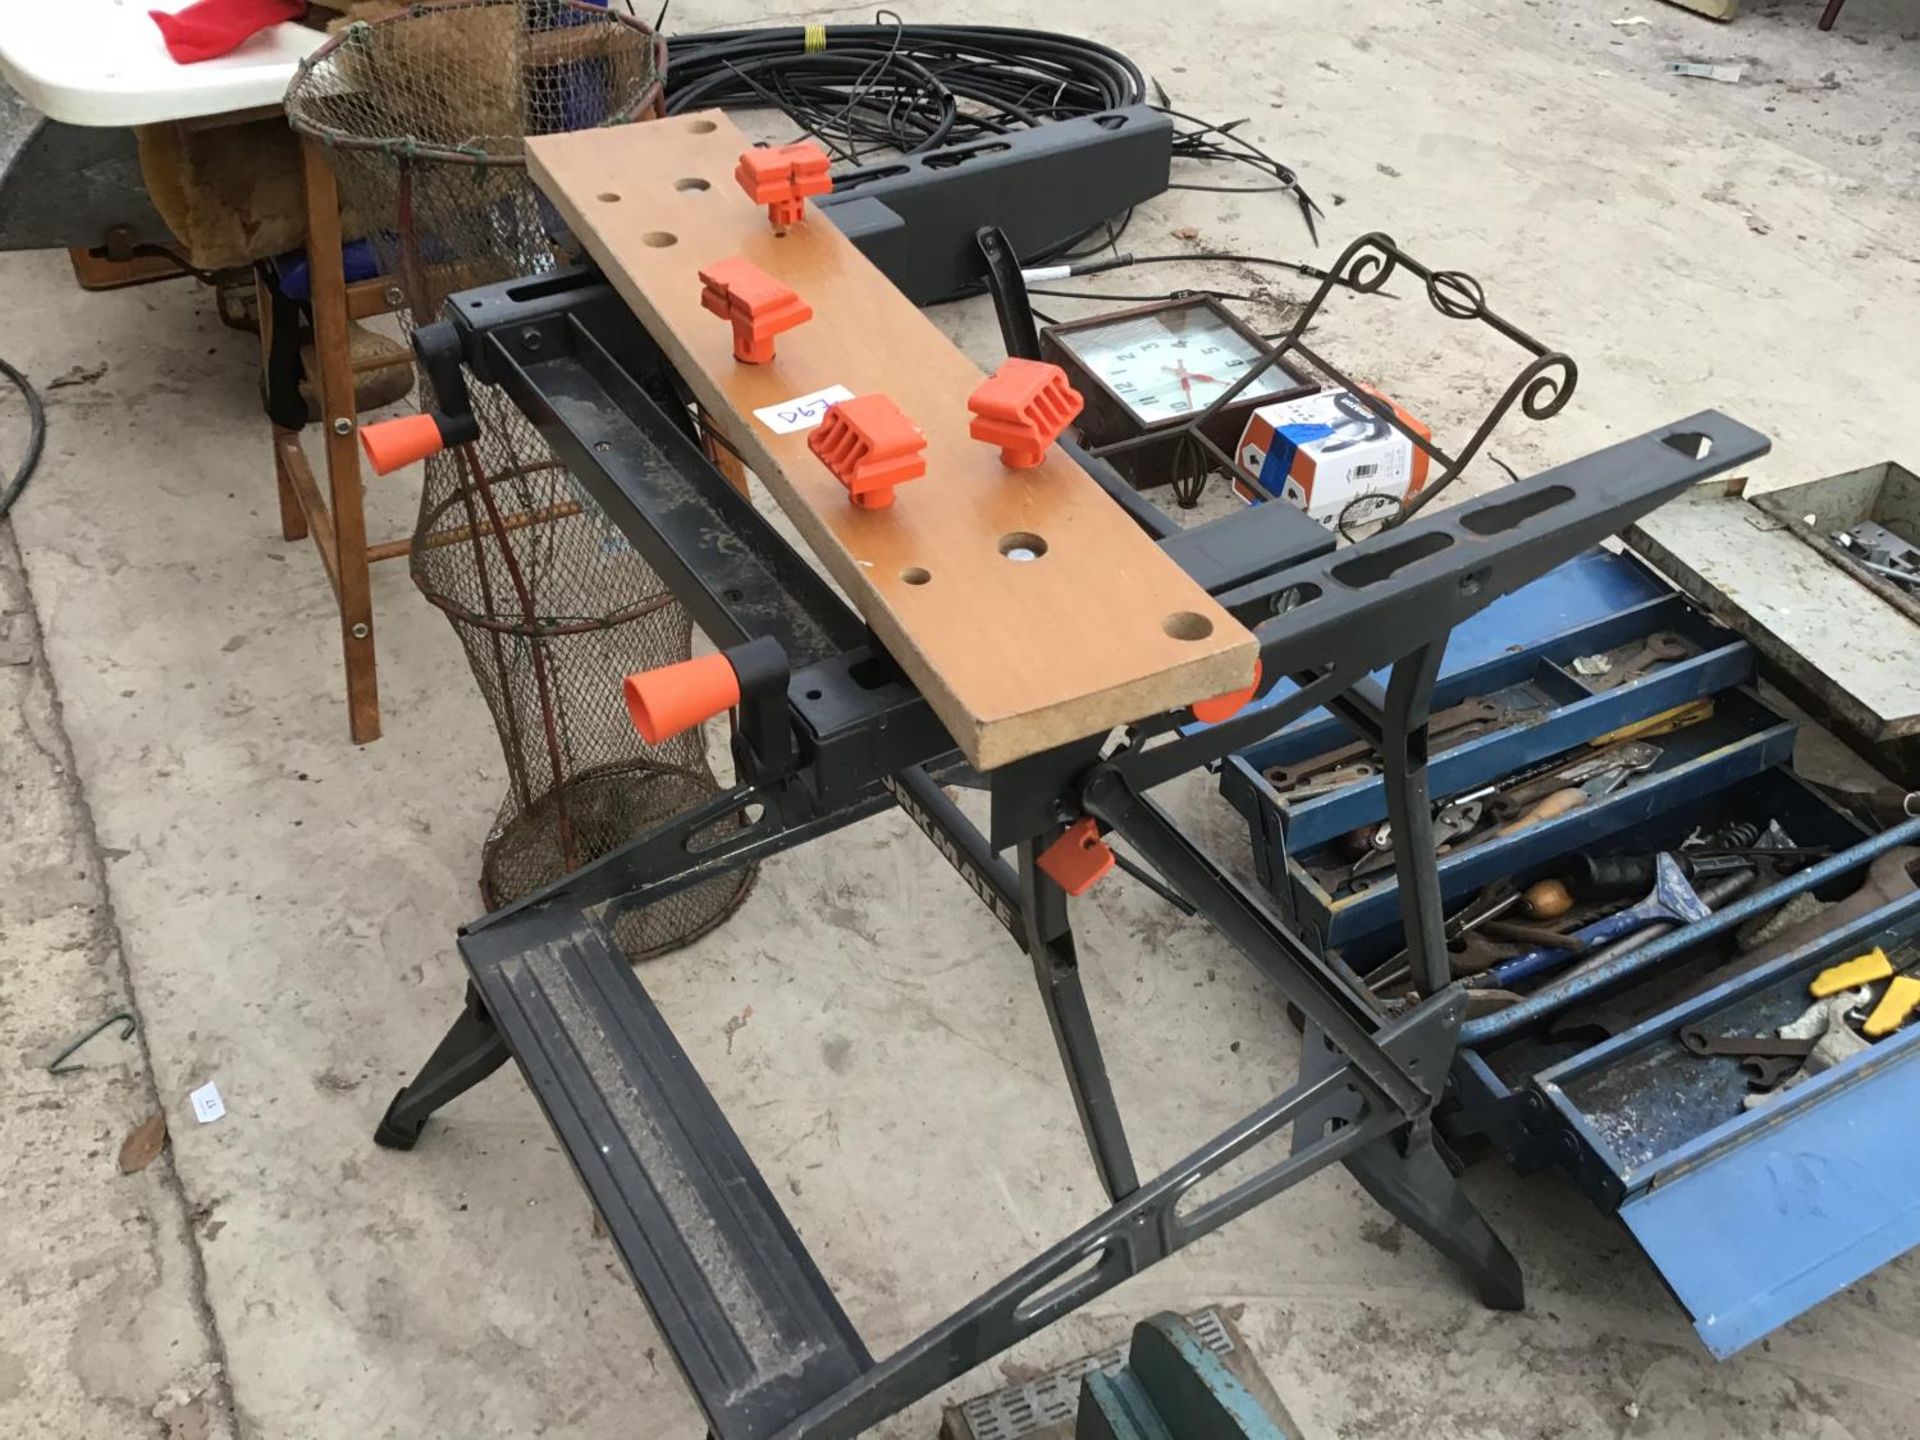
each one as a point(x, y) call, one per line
point(58, 1065)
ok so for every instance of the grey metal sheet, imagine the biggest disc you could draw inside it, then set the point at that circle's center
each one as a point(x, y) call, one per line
point(1812, 620)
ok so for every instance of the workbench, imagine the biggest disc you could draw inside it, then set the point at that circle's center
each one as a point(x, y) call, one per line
point(844, 705)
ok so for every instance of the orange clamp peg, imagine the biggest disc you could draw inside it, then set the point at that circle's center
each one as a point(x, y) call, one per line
point(1022, 407)
point(870, 446)
point(665, 702)
point(1078, 858)
point(758, 305)
point(391, 444)
point(1226, 706)
point(781, 177)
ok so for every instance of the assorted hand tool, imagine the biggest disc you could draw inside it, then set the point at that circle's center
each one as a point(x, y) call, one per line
point(1548, 899)
point(1878, 549)
point(1516, 804)
point(1852, 974)
point(1346, 764)
point(1496, 900)
point(1540, 936)
point(1892, 876)
point(1770, 1060)
point(1897, 1004)
point(1452, 822)
point(1614, 668)
point(1654, 726)
point(1616, 877)
point(1543, 792)
point(1592, 776)
point(1672, 899)
point(1727, 888)
point(1728, 860)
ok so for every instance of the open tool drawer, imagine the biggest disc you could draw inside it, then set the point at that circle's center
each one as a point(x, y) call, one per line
point(1502, 1053)
point(1752, 1216)
point(1742, 738)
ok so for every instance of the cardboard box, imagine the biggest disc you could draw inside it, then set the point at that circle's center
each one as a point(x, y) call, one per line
point(1322, 452)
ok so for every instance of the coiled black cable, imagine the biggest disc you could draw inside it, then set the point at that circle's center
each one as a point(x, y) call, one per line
point(900, 87)
point(908, 88)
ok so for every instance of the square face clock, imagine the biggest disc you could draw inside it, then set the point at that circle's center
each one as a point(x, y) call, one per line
point(1155, 367)
point(1163, 362)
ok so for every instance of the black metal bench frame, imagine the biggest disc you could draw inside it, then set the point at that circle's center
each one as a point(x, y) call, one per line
point(829, 732)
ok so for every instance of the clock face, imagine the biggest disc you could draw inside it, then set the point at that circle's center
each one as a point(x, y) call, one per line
point(1176, 361)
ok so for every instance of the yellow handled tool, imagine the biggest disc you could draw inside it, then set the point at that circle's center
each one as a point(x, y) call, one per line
point(1903, 995)
point(1852, 974)
point(1665, 723)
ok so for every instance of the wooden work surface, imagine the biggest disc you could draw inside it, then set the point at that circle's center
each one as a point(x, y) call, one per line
point(1014, 656)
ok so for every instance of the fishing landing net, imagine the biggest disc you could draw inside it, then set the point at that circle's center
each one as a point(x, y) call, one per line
point(425, 112)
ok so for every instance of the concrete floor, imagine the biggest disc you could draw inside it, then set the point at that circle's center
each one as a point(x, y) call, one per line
point(185, 828)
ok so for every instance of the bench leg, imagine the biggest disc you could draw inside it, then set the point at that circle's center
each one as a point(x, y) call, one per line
point(1407, 1177)
point(1057, 967)
point(471, 1051)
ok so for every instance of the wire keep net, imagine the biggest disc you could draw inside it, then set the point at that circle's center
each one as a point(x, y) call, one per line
point(425, 113)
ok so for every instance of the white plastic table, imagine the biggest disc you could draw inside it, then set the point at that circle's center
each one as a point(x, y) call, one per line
point(101, 62)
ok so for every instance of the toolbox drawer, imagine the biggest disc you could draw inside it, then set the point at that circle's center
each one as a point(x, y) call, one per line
point(1552, 709)
point(1568, 712)
point(1742, 738)
point(1753, 1216)
point(1750, 1216)
point(1501, 1067)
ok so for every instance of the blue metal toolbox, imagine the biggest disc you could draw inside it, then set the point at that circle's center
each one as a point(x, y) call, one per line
point(1752, 1215)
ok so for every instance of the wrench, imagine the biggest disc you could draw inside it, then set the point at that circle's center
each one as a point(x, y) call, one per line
point(1456, 724)
point(1454, 820)
point(1767, 1058)
point(1620, 668)
point(1327, 781)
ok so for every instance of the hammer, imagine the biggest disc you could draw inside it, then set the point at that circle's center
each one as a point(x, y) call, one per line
point(1671, 901)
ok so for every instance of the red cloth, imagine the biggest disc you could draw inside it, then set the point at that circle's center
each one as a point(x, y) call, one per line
point(215, 27)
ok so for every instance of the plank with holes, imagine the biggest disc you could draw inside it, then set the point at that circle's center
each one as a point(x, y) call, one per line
point(1018, 597)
